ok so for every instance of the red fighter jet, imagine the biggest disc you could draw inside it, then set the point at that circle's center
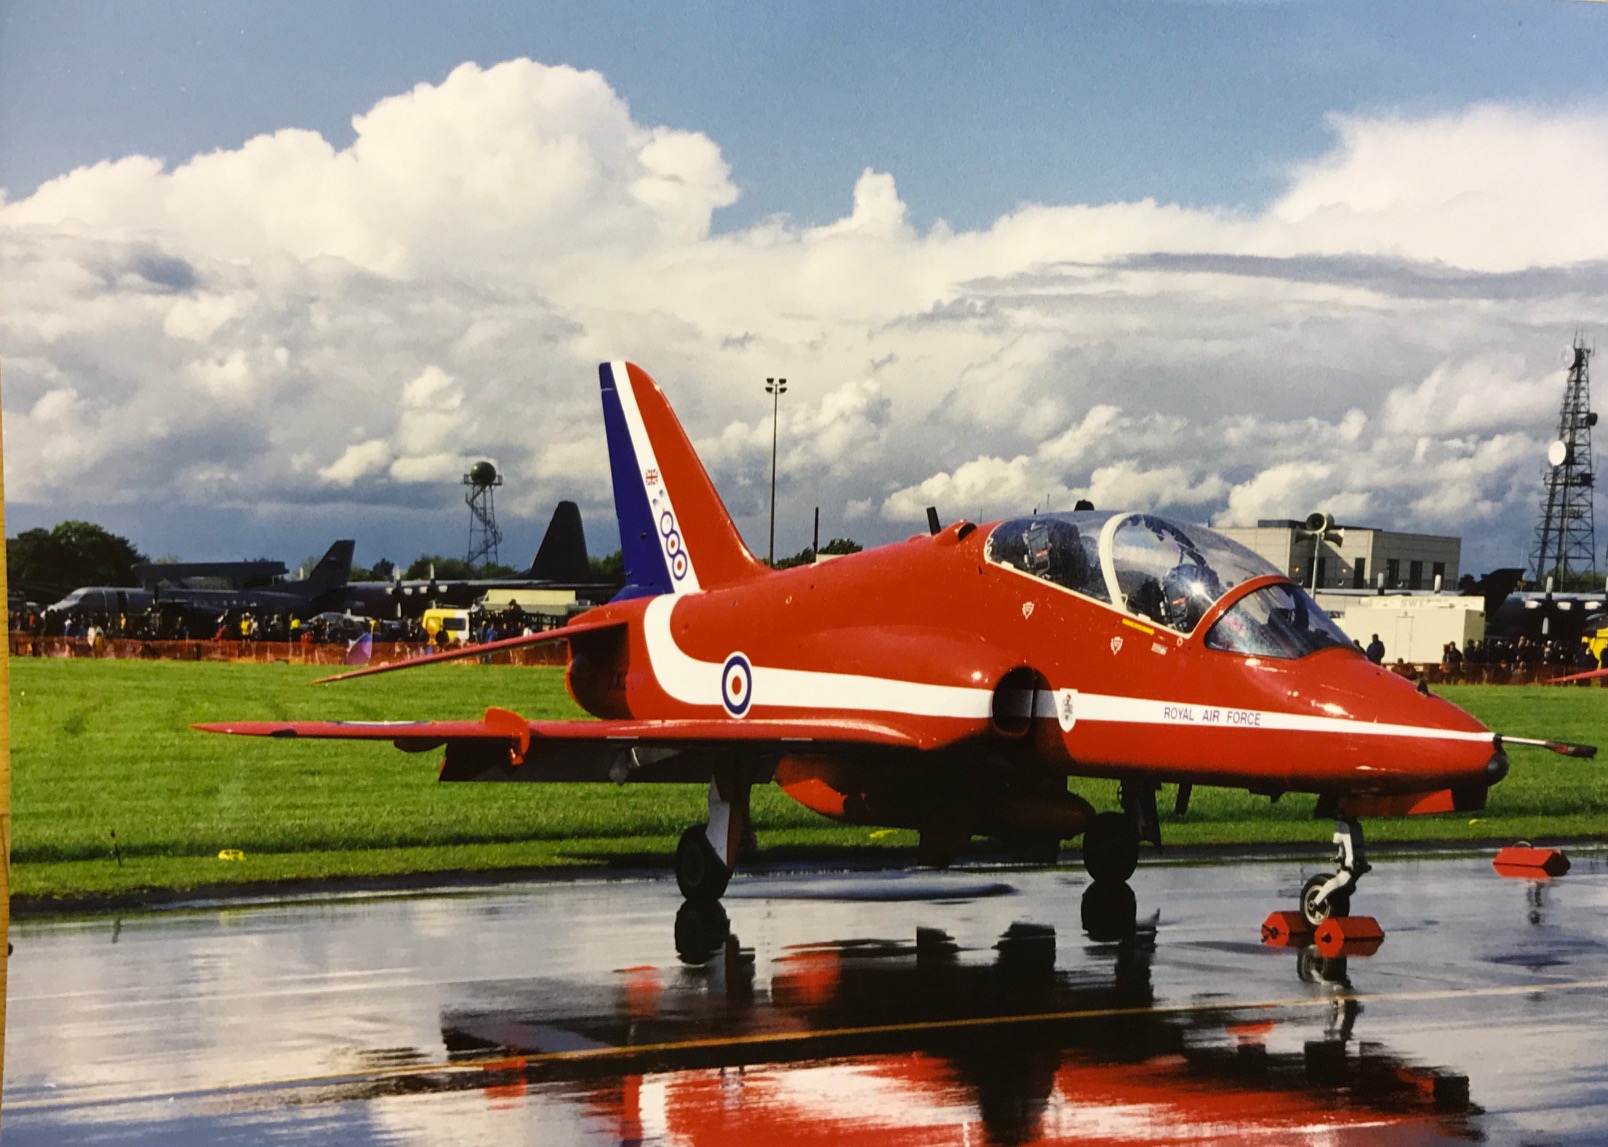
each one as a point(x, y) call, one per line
point(953, 683)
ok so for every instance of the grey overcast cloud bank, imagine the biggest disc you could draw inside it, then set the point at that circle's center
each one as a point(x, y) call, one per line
point(259, 348)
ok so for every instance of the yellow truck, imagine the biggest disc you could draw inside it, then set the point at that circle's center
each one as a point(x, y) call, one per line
point(454, 621)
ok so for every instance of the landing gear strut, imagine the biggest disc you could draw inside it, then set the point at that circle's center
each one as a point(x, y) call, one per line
point(701, 874)
point(707, 854)
point(1326, 896)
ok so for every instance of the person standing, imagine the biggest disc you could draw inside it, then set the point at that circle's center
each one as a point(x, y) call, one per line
point(1376, 650)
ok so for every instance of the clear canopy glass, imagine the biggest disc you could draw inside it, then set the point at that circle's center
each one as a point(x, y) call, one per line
point(1275, 621)
point(1060, 548)
point(1168, 572)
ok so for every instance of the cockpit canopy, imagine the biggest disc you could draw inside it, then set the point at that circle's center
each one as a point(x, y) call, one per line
point(1169, 573)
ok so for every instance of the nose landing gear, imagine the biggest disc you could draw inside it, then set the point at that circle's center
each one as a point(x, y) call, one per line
point(1326, 896)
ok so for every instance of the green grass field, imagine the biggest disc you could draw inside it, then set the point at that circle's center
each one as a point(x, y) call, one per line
point(113, 793)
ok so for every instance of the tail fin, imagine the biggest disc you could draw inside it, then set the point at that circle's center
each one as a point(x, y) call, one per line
point(334, 569)
point(562, 555)
point(675, 533)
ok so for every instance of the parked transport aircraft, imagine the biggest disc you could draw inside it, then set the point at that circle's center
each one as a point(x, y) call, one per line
point(560, 564)
point(320, 590)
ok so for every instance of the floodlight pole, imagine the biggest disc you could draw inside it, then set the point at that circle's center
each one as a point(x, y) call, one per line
point(775, 387)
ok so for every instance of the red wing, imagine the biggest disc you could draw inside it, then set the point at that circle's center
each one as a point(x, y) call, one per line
point(506, 747)
point(501, 725)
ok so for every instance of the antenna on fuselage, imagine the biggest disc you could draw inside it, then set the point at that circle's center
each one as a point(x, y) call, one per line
point(932, 520)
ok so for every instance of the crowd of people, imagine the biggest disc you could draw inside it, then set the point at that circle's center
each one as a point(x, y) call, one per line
point(1524, 651)
point(88, 632)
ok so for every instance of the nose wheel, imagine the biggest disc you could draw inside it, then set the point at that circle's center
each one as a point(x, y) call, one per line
point(1110, 848)
point(1316, 907)
point(1324, 896)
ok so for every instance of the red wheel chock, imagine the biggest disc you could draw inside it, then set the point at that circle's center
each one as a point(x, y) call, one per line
point(1522, 862)
point(1282, 929)
point(1348, 936)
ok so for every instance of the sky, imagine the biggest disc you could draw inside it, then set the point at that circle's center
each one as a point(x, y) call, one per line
point(276, 274)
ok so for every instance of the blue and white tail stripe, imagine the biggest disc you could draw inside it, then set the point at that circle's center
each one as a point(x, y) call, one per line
point(652, 544)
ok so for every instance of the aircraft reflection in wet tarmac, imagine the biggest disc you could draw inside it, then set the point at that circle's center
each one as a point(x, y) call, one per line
point(891, 1042)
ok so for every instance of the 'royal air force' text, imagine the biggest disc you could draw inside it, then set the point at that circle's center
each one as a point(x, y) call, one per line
point(1197, 715)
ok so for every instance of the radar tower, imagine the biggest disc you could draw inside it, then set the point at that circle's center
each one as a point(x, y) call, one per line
point(1566, 537)
point(484, 537)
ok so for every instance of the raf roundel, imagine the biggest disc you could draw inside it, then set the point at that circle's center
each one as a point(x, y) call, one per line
point(736, 685)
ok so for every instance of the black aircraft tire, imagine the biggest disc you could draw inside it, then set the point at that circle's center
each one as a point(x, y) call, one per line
point(1109, 911)
point(1110, 848)
point(701, 931)
point(700, 873)
point(1338, 904)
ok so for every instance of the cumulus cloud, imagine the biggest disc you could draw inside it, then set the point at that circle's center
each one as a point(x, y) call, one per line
point(288, 326)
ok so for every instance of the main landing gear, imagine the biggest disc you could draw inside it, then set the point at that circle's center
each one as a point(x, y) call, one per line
point(1110, 848)
point(707, 854)
point(1111, 842)
point(1324, 896)
point(701, 874)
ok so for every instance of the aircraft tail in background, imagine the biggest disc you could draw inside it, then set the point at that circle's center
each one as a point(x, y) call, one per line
point(675, 533)
point(333, 570)
point(562, 554)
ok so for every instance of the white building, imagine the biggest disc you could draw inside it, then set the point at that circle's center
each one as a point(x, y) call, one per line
point(1366, 558)
point(1414, 627)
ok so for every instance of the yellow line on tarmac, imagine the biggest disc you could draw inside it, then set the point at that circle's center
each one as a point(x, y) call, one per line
point(518, 1061)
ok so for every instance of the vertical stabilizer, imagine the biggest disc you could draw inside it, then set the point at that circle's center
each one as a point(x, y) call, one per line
point(562, 554)
point(675, 533)
point(334, 569)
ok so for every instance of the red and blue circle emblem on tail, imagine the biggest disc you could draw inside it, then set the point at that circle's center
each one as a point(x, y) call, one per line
point(736, 685)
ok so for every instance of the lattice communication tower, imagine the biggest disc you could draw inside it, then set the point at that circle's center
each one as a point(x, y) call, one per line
point(1566, 537)
point(484, 537)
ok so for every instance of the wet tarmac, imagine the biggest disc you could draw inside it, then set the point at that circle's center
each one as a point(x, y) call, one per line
point(1004, 1006)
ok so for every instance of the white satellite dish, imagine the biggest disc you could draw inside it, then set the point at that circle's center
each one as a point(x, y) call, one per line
point(1557, 453)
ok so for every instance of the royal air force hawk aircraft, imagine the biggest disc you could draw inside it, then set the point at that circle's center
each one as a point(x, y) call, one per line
point(953, 683)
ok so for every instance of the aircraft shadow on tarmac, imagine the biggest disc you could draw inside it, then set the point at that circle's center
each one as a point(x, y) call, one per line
point(918, 1031)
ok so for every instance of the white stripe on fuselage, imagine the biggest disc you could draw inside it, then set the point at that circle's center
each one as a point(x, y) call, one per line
point(658, 494)
point(1194, 715)
point(695, 682)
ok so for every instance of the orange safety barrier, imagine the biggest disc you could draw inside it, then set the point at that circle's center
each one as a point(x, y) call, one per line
point(23, 644)
point(1485, 673)
point(1526, 863)
point(1281, 929)
point(1348, 936)
point(293, 653)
